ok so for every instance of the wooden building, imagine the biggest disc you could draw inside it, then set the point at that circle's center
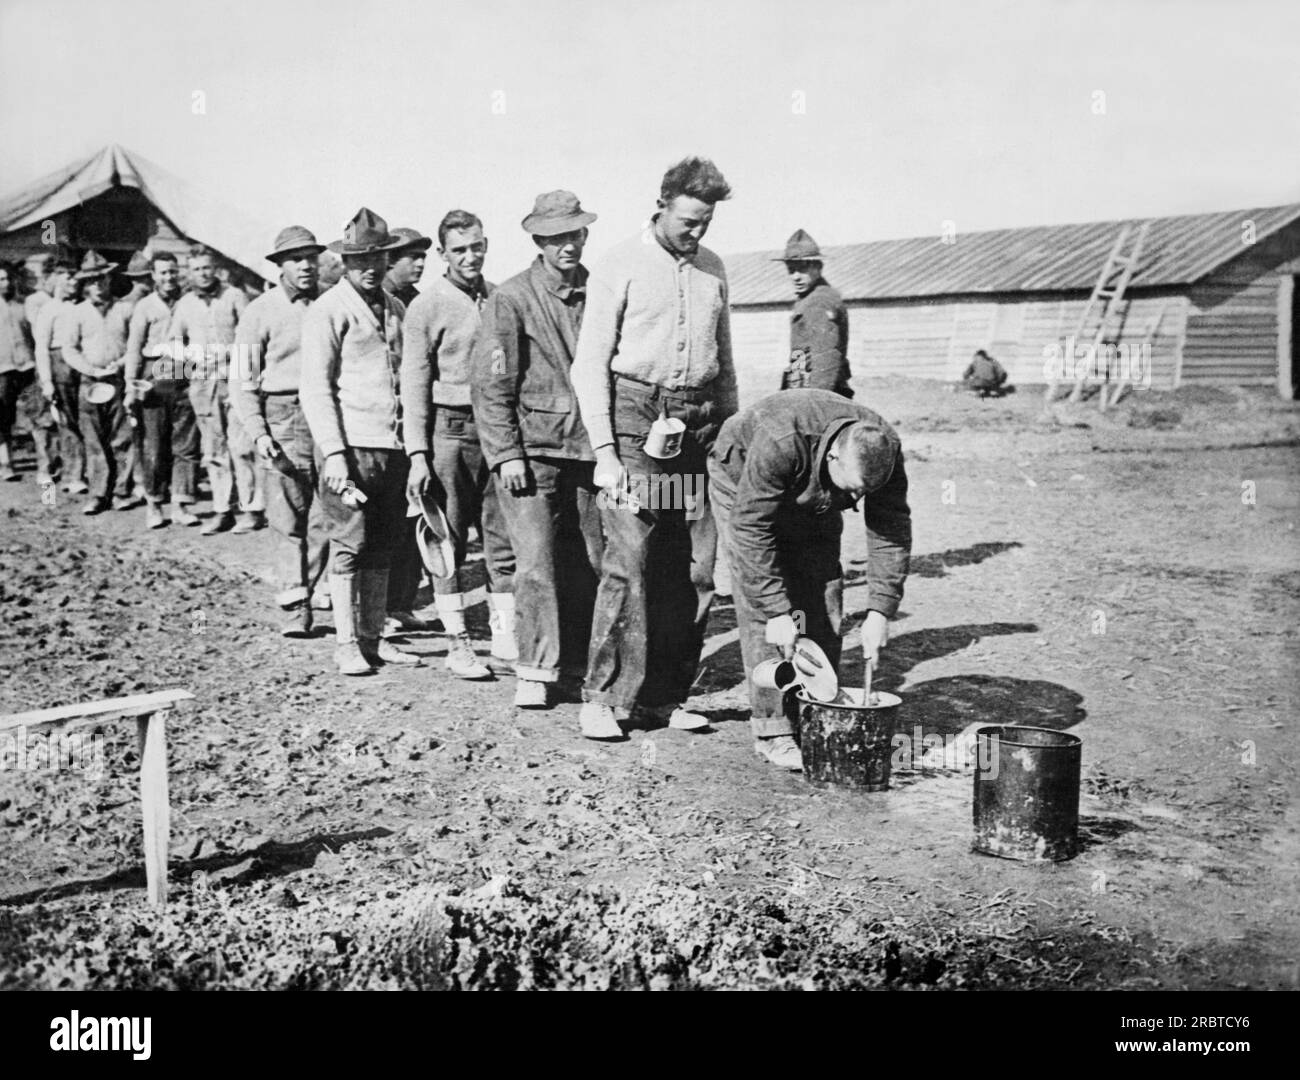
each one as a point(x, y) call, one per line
point(1222, 287)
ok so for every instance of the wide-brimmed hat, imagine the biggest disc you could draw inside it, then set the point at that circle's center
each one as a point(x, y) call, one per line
point(138, 266)
point(800, 248)
point(412, 239)
point(94, 265)
point(556, 212)
point(366, 234)
point(433, 536)
point(295, 240)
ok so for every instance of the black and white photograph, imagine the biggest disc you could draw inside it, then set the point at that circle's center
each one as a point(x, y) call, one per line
point(556, 495)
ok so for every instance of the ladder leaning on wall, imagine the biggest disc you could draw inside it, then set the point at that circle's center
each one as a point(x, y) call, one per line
point(1104, 304)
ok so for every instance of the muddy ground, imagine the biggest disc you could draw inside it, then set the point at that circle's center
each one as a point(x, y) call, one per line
point(1133, 579)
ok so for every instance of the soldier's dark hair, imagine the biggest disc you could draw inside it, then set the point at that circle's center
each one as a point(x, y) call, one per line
point(161, 256)
point(697, 177)
point(456, 219)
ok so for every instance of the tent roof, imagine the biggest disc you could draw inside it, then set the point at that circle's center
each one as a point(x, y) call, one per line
point(1049, 258)
point(193, 213)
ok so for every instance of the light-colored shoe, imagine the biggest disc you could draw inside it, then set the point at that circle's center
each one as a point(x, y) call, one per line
point(246, 523)
point(95, 506)
point(463, 662)
point(8, 474)
point(380, 652)
point(320, 599)
point(681, 719)
point(182, 516)
point(153, 516)
point(218, 523)
point(673, 716)
point(781, 750)
point(350, 661)
point(531, 695)
point(127, 502)
point(599, 721)
point(44, 479)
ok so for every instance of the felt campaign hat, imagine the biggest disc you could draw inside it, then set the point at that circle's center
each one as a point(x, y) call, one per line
point(295, 240)
point(366, 234)
point(94, 265)
point(800, 248)
point(138, 266)
point(556, 212)
point(412, 240)
point(433, 536)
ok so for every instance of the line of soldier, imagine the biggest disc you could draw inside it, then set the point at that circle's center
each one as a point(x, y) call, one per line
point(524, 410)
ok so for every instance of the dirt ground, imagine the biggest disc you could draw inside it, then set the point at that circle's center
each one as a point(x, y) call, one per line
point(1133, 579)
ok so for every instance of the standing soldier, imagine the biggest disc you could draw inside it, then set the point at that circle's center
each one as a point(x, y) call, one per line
point(444, 447)
point(129, 446)
point(17, 365)
point(819, 323)
point(171, 437)
point(351, 356)
point(264, 392)
point(87, 351)
point(60, 384)
point(205, 322)
point(405, 268)
point(535, 444)
point(656, 341)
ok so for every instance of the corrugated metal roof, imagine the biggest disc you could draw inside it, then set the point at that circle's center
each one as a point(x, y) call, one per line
point(1048, 258)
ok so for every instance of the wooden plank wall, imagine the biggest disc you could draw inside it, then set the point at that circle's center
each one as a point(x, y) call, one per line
point(935, 340)
point(1232, 324)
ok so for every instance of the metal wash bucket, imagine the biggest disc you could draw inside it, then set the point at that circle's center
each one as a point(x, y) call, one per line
point(845, 743)
point(1027, 793)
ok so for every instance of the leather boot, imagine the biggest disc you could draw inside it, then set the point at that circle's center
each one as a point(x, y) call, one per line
point(347, 653)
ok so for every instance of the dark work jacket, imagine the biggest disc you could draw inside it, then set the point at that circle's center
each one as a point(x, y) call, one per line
point(819, 343)
point(519, 376)
point(775, 455)
point(404, 293)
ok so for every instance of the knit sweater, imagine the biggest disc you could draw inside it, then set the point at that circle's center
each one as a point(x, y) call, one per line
point(270, 338)
point(658, 318)
point(84, 340)
point(350, 368)
point(151, 333)
point(48, 333)
point(439, 332)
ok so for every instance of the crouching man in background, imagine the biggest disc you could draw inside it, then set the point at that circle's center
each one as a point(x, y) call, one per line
point(780, 474)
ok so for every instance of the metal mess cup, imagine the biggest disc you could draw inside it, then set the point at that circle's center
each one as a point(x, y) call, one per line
point(775, 675)
point(665, 438)
point(101, 392)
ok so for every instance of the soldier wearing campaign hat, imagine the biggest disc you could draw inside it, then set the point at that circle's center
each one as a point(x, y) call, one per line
point(819, 323)
point(264, 392)
point(351, 359)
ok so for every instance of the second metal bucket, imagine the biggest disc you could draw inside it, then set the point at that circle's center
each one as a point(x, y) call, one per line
point(1027, 793)
point(846, 744)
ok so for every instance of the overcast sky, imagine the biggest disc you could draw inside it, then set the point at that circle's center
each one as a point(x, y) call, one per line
point(854, 120)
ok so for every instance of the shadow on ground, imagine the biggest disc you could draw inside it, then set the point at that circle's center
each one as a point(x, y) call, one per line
point(272, 859)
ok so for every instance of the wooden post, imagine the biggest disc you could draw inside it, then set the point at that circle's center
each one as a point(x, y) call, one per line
point(1285, 293)
point(150, 712)
point(154, 806)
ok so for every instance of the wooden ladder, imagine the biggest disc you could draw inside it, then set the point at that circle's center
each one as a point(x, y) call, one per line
point(149, 711)
point(1105, 302)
